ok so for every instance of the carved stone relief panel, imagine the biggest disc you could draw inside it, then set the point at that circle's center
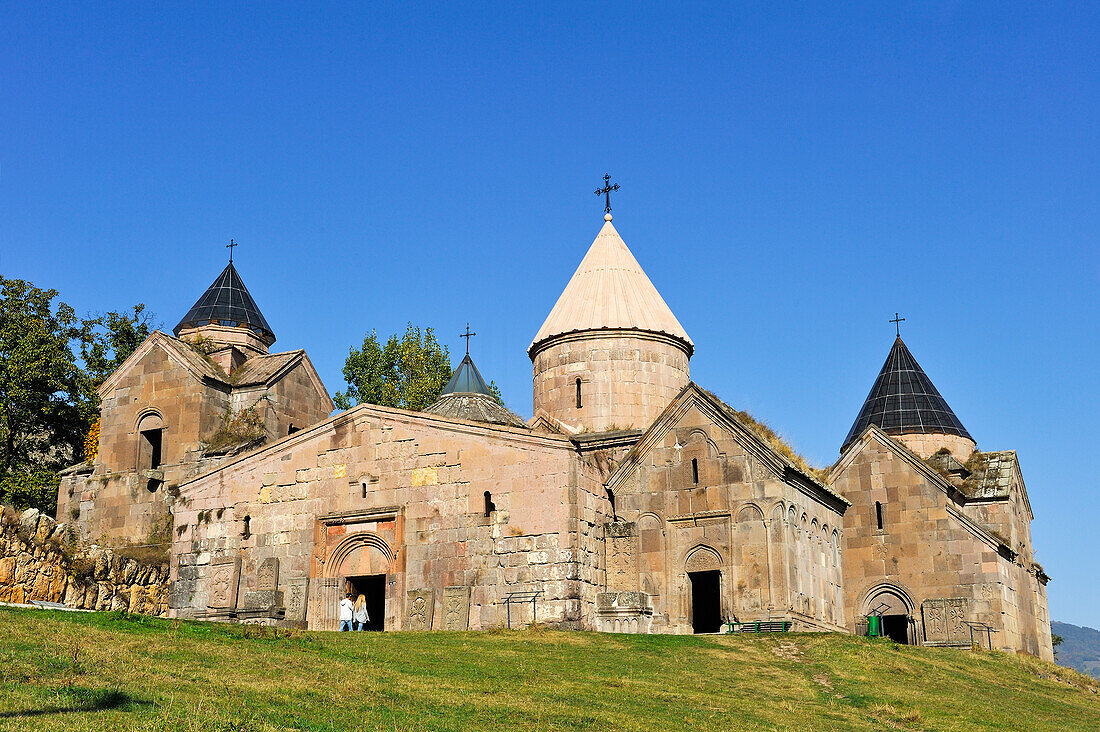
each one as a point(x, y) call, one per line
point(224, 577)
point(267, 576)
point(456, 608)
point(297, 592)
point(419, 608)
point(945, 620)
point(621, 556)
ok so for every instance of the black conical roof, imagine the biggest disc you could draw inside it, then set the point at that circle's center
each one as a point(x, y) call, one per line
point(227, 302)
point(904, 401)
point(467, 380)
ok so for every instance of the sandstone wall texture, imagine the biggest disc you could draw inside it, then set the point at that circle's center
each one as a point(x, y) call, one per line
point(38, 561)
point(387, 493)
point(927, 445)
point(627, 378)
point(704, 498)
point(947, 568)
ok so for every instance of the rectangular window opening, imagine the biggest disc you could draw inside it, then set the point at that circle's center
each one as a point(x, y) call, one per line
point(150, 449)
point(695, 470)
point(878, 514)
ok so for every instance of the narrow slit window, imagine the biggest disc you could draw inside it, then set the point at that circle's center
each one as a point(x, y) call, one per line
point(878, 514)
point(578, 393)
point(611, 499)
point(695, 470)
point(247, 530)
point(364, 489)
point(489, 505)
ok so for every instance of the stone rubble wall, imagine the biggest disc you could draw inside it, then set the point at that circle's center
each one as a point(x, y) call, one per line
point(39, 562)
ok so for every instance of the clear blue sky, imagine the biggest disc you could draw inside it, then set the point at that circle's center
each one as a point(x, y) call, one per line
point(791, 177)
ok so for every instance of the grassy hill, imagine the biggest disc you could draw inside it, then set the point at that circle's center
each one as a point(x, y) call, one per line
point(76, 671)
point(1080, 647)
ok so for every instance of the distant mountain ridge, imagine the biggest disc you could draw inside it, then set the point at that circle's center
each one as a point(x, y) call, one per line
point(1080, 648)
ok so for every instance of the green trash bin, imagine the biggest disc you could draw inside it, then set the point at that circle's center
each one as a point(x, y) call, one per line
point(874, 625)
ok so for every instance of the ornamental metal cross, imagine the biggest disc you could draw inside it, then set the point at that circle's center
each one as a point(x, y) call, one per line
point(606, 192)
point(230, 246)
point(897, 321)
point(467, 335)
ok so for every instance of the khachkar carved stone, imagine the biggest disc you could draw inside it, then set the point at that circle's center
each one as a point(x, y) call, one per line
point(456, 608)
point(621, 556)
point(267, 577)
point(945, 620)
point(419, 608)
point(297, 592)
point(223, 584)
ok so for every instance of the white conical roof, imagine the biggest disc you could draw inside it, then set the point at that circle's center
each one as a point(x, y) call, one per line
point(610, 290)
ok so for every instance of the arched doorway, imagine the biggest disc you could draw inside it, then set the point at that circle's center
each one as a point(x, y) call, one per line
point(363, 562)
point(893, 606)
point(704, 570)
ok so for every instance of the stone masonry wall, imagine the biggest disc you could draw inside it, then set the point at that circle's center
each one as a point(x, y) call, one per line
point(39, 562)
point(627, 378)
point(382, 491)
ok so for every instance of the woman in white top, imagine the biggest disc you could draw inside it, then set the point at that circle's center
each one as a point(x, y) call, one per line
point(347, 612)
point(362, 617)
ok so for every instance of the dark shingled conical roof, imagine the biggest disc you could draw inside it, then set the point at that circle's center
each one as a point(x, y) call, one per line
point(903, 401)
point(227, 302)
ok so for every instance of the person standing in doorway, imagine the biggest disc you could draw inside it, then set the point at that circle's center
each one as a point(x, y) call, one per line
point(362, 617)
point(347, 613)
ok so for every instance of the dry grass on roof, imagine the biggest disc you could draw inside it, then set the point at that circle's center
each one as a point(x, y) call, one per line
point(777, 443)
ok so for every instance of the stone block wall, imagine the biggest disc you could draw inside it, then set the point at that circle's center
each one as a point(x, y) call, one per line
point(377, 490)
point(39, 562)
point(701, 500)
point(930, 551)
point(627, 378)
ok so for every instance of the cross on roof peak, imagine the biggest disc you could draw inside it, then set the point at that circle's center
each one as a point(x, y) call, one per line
point(606, 193)
point(467, 335)
point(897, 321)
point(230, 246)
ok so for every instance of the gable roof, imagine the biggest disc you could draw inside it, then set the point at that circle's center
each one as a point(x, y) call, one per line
point(727, 417)
point(903, 401)
point(265, 369)
point(609, 290)
point(227, 302)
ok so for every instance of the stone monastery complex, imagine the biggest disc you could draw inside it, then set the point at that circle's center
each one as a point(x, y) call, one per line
point(633, 501)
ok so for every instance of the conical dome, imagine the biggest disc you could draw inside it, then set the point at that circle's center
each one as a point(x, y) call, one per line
point(466, 396)
point(903, 401)
point(227, 302)
point(609, 290)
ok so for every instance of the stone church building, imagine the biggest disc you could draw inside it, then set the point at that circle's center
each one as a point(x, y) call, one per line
point(632, 501)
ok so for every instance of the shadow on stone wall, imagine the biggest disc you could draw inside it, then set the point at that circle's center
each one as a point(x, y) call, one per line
point(40, 561)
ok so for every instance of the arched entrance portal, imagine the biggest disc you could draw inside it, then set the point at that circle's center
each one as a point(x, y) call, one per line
point(363, 561)
point(893, 605)
point(704, 571)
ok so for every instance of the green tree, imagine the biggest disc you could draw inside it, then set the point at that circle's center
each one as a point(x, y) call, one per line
point(43, 409)
point(495, 391)
point(408, 372)
point(109, 339)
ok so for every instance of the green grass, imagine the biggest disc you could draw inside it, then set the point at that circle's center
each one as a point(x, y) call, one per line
point(89, 671)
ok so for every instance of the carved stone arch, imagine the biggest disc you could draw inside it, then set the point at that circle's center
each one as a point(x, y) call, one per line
point(792, 517)
point(650, 520)
point(750, 512)
point(148, 419)
point(701, 434)
point(380, 555)
point(778, 512)
point(703, 558)
point(895, 594)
